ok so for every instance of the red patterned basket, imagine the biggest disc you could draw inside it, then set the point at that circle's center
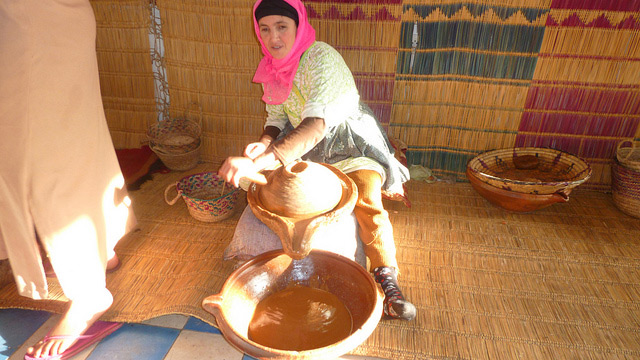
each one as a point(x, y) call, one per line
point(625, 187)
point(208, 197)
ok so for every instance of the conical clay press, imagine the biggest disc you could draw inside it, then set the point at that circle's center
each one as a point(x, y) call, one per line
point(300, 198)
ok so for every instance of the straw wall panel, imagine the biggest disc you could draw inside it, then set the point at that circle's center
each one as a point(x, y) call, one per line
point(211, 54)
point(126, 77)
point(461, 87)
point(585, 94)
point(366, 35)
point(481, 75)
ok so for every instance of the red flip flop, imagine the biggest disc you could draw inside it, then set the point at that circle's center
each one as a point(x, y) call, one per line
point(96, 332)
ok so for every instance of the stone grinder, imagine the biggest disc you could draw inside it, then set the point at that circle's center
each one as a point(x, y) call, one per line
point(298, 199)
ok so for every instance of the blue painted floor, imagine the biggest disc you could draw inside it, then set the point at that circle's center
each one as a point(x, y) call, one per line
point(171, 337)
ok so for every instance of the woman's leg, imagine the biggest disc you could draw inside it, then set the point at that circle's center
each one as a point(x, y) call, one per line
point(375, 230)
point(376, 233)
point(78, 261)
point(80, 315)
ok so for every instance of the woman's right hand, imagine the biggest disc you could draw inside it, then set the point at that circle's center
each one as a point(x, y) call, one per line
point(254, 150)
point(235, 168)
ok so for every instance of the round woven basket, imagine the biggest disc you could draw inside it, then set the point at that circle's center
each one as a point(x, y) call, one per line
point(178, 160)
point(174, 135)
point(629, 156)
point(554, 171)
point(207, 196)
point(178, 135)
point(625, 188)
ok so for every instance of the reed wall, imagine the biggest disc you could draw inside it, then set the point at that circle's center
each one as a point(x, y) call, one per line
point(450, 79)
point(126, 76)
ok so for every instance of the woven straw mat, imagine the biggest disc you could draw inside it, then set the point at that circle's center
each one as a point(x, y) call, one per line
point(562, 282)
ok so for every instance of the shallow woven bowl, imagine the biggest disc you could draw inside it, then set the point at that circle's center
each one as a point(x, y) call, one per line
point(556, 171)
point(207, 196)
point(515, 201)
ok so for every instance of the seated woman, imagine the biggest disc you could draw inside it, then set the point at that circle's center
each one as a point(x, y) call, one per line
point(314, 112)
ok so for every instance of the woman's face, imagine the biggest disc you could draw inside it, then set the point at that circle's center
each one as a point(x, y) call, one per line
point(278, 34)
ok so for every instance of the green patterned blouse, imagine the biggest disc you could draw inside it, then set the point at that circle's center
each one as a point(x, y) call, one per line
point(324, 87)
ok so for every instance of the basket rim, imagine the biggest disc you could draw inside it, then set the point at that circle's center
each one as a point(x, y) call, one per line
point(585, 174)
point(160, 152)
point(181, 192)
point(623, 170)
point(628, 156)
point(157, 126)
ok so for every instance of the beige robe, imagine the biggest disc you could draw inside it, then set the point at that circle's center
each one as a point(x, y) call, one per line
point(59, 174)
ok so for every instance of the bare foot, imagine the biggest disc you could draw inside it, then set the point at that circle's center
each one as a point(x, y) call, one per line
point(82, 313)
point(113, 263)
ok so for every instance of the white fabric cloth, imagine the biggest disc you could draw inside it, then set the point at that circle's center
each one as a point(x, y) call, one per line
point(59, 173)
point(252, 237)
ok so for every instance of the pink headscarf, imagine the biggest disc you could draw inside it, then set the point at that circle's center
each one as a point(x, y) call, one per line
point(277, 75)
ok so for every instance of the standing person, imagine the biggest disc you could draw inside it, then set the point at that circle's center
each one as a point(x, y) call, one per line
point(61, 186)
point(314, 112)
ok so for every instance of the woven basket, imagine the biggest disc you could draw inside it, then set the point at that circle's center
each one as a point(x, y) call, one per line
point(555, 171)
point(208, 197)
point(177, 160)
point(625, 187)
point(629, 156)
point(176, 136)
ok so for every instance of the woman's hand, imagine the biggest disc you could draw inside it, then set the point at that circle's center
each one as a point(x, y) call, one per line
point(255, 149)
point(236, 167)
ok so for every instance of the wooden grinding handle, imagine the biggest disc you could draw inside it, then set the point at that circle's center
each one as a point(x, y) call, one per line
point(257, 178)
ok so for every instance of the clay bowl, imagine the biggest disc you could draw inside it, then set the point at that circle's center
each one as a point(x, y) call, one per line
point(515, 201)
point(273, 271)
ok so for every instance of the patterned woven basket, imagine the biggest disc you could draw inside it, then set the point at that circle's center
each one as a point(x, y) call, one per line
point(208, 197)
point(176, 136)
point(555, 170)
point(625, 187)
point(178, 161)
point(628, 156)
